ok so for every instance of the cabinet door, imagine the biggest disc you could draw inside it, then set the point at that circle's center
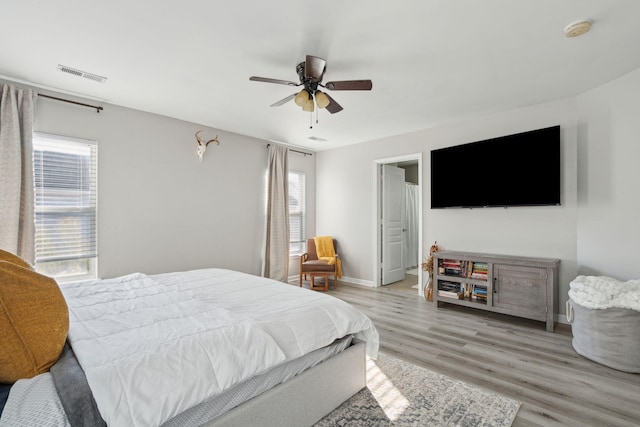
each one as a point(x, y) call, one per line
point(520, 290)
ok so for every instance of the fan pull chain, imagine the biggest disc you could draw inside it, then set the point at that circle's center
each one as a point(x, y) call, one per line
point(310, 120)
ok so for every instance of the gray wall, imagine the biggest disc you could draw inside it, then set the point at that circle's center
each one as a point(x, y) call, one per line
point(595, 233)
point(528, 231)
point(410, 173)
point(609, 179)
point(540, 231)
point(159, 208)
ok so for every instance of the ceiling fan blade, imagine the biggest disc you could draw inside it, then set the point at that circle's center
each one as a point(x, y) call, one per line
point(284, 101)
point(268, 80)
point(314, 68)
point(333, 106)
point(350, 85)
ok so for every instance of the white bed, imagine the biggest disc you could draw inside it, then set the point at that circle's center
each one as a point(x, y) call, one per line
point(154, 348)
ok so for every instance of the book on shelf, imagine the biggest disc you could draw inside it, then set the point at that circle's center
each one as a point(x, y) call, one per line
point(450, 294)
point(449, 286)
point(480, 270)
point(467, 289)
point(479, 292)
point(451, 267)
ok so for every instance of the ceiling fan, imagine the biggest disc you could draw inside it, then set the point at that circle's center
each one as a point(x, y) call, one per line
point(310, 73)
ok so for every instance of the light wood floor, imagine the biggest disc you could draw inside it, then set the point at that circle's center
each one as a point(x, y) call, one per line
point(514, 357)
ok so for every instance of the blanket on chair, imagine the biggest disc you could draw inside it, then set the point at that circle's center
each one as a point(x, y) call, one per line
point(326, 251)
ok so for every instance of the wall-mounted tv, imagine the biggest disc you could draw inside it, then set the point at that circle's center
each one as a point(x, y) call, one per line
point(515, 170)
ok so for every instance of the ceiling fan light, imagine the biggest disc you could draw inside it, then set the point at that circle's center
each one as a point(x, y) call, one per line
point(301, 98)
point(322, 99)
point(308, 106)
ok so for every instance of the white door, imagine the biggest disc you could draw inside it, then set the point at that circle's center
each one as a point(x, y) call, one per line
point(393, 217)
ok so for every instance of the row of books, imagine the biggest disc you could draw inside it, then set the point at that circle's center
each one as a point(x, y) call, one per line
point(479, 293)
point(479, 270)
point(451, 267)
point(450, 289)
point(469, 269)
point(462, 290)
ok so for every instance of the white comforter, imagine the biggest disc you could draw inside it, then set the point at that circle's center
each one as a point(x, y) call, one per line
point(154, 346)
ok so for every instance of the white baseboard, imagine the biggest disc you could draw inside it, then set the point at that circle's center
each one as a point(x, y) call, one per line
point(295, 278)
point(367, 283)
point(562, 318)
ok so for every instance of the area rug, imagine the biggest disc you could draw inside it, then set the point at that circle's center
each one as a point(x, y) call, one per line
point(399, 393)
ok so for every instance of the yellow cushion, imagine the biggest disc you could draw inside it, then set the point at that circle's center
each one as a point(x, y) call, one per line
point(326, 252)
point(15, 259)
point(34, 322)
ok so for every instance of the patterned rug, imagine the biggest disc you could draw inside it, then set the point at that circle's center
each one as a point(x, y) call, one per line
point(401, 394)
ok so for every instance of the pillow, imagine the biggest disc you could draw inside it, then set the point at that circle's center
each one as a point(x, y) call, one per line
point(34, 322)
point(15, 259)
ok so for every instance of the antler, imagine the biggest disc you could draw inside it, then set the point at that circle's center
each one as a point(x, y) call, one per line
point(206, 144)
point(213, 140)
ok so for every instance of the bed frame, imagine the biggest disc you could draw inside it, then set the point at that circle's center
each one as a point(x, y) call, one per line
point(306, 398)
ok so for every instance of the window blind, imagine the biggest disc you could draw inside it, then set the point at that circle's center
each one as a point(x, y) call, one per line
point(296, 212)
point(65, 172)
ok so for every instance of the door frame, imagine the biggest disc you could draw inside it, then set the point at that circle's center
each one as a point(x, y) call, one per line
point(377, 214)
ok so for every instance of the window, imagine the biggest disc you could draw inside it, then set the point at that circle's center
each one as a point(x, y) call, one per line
point(297, 238)
point(65, 172)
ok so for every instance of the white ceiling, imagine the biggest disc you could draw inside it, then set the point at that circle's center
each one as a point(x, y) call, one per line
point(431, 61)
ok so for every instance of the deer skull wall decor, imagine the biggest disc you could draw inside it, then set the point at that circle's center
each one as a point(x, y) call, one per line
point(202, 146)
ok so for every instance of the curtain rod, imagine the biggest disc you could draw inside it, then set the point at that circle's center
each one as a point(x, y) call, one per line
point(295, 151)
point(97, 108)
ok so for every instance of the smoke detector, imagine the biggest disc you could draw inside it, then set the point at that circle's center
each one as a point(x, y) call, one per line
point(80, 73)
point(577, 28)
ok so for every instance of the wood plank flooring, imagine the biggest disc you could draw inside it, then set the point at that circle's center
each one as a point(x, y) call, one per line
point(511, 356)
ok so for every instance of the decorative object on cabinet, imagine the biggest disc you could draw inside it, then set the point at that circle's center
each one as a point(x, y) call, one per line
point(428, 267)
point(517, 286)
point(202, 146)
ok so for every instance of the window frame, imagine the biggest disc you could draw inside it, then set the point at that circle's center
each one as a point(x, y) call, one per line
point(87, 265)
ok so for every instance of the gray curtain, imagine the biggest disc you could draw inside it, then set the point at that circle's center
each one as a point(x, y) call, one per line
point(17, 226)
point(276, 256)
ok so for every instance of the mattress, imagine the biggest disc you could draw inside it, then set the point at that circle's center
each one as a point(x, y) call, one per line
point(36, 402)
point(157, 347)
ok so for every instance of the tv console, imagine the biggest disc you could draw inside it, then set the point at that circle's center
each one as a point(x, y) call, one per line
point(517, 286)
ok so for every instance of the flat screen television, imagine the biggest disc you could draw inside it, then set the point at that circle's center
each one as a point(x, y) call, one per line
point(515, 170)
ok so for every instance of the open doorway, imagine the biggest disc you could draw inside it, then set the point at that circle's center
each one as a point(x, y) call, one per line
point(398, 195)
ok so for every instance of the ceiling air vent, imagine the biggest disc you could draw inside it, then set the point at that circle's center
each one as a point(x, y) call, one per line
point(315, 138)
point(80, 73)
